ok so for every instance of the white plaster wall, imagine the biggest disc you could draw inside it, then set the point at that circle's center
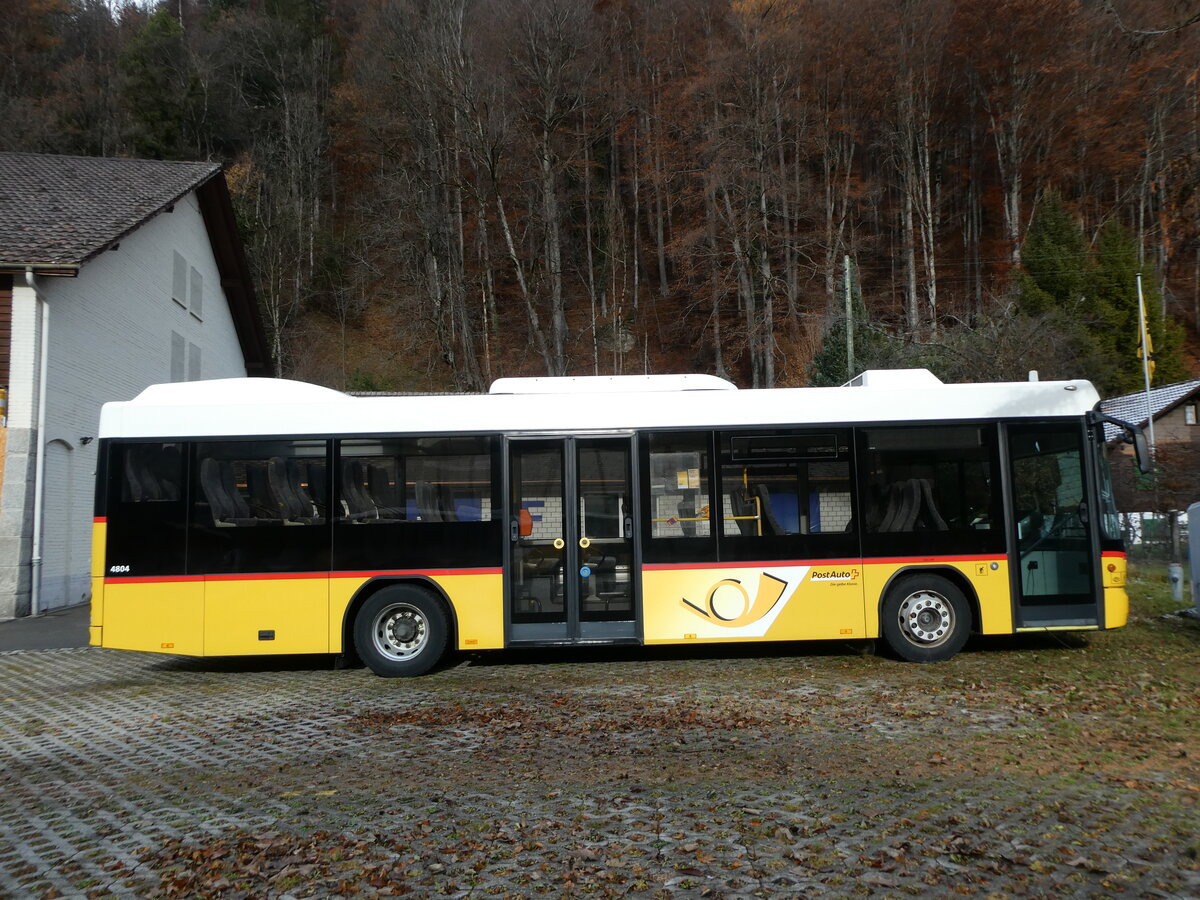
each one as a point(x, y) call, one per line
point(16, 503)
point(110, 336)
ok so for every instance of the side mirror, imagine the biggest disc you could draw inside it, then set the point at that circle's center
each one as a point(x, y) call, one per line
point(1133, 435)
point(1142, 451)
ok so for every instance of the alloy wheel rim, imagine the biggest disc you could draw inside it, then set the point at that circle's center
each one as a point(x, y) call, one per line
point(926, 618)
point(400, 631)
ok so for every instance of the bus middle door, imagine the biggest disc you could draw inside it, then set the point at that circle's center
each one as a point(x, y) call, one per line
point(570, 574)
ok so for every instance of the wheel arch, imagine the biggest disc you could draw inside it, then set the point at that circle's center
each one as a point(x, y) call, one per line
point(951, 574)
point(376, 584)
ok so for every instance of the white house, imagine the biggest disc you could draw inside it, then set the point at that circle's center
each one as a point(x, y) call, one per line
point(114, 274)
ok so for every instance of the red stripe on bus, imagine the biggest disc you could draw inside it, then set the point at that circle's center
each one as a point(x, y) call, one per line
point(100, 520)
point(290, 576)
point(901, 560)
point(1114, 554)
point(668, 567)
point(494, 570)
point(854, 561)
point(268, 576)
point(151, 579)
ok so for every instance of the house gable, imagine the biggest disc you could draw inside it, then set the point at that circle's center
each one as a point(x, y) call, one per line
point(59, 212)
point(130, 272)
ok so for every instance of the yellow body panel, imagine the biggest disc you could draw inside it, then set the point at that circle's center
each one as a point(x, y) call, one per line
point(477, 600)
point(296, 610)
point(479, 605)
point(755, 602)
point(789, 602)
point(987, 575)
point(99, 542)
point(162, 617)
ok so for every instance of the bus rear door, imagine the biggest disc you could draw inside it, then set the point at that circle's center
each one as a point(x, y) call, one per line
point(570, 568)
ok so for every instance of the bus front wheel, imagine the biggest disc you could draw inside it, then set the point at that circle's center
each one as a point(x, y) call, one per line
point(400, 632)
point(926, 618)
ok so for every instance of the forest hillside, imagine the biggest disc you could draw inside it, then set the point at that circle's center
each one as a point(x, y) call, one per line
point(437, 193)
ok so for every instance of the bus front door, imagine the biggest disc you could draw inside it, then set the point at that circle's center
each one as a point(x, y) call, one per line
point(571, 523)
point(1054, 548)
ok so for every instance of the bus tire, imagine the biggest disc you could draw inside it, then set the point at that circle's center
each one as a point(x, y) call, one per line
point(925, 618)
point(401, 631)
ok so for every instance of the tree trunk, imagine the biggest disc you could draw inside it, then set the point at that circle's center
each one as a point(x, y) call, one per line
point(558, 312)
point(535, 326)
point(912, 316)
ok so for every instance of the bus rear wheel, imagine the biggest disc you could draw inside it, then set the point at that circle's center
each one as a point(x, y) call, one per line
point(926, 618)
point(401, 631)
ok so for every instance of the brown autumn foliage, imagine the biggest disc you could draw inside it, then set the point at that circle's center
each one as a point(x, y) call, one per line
point(437, 193)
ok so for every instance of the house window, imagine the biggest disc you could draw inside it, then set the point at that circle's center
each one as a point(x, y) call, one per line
point(179, 284)
point(178, 356)
point(193, 366)
point(196, 295)
point(1189, 414)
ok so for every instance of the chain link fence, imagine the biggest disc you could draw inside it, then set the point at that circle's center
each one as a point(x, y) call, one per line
point(1151, 538)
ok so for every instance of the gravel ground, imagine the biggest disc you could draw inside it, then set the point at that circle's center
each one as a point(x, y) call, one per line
point(1024, 771)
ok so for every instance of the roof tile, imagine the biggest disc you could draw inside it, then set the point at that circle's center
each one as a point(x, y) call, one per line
point(63, 210)
point(1132, 407)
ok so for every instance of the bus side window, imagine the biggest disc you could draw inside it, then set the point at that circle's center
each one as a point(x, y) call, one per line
point(257, 483)
point(151, 473)
point(773, 498)
point(146, 509)
point(679, 502)
point(938, 484)
point(929, 479)
point(391, 481)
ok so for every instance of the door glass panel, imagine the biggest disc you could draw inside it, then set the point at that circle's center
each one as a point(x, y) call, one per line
point(1050, 515)
point(605, 513)
point(539, 545)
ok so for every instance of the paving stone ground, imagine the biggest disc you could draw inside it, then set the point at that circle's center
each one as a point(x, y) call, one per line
point(819, 774)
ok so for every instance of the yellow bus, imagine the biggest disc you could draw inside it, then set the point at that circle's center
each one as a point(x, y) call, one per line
point(258, 516)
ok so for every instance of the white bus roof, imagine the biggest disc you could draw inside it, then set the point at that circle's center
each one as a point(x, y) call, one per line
point(262, 406)
point(608, 384)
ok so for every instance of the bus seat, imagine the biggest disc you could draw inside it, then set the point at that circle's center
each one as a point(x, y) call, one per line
point(894, 496)
point(446, 505)
point(284, 477)
point(428, 507)
point(168, 472)
point(770, 523)
point(910, 506)
point(265, 503)
point(300, 485)
point(384, 495)
point(133, 481)
point(358, 503)
point(318, 482)
point(216, 480)
point(686, 510)
point(142, 482)
point(906, 497)
point(930, 517)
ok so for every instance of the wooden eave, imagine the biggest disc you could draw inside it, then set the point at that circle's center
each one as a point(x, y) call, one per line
point(57, 270)
point(216, 206)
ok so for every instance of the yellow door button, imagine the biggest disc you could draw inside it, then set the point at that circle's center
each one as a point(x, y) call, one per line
point(585, 543)
point(559, 543)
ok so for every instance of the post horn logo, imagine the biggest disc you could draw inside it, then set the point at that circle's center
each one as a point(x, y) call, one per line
point(728, 603)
